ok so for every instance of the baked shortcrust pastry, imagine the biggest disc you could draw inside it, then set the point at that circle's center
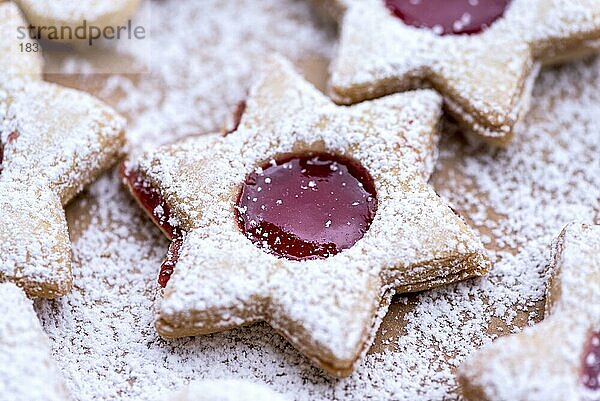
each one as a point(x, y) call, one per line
point(559, 358)
point(482, 56)
point(54, 141)
point(59, 14)
point(322, 278)
point(27, 371)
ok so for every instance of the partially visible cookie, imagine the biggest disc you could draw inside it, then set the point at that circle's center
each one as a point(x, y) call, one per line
point(14, 62)
point(72, 14)
point(482, 56)
point(27, 371)
point(53, 142)
point(308, 216)
point(226, 390)
point(559, 358)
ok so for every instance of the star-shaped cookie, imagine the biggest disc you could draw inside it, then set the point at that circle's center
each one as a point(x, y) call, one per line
point(54, 141)
point(27, 371)
point(559, 358)
point(60, 14)
point(228, 267)
point(485, 77)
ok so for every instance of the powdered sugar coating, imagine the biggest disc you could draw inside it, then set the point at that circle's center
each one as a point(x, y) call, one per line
point(27, 371)
point(56, 136)
point(59, 13)
point(62, 10)
point(35, 241)
point(486, 78)
point(544, 362)
point(15, 62)
point(54, 142)
point(226, 390)
point(103, 335)
point(414, 243)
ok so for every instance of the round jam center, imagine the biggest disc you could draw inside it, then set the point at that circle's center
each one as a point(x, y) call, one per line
point(307, 207)
point(591, 363)
point(447, 17)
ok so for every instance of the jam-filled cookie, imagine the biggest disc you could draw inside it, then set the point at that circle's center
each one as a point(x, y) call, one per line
point(105, 15)
point(226, 390)
point(482, 55)
point(559, 358)
point(27, 371)
point(53, 141)
point(308, 216)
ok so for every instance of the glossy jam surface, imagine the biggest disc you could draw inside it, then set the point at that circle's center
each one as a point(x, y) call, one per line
point(168, 265)
point(449, 17)
point(307, 207)
point(590, 373)
point(154, 204)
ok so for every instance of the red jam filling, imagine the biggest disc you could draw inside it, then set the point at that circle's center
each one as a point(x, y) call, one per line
point(590, 373)
point(167, 266)
point(307, 207)
point(449, 17)
point(11, 138)
point(154, 204)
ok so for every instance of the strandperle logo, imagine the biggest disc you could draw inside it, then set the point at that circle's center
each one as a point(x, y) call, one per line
point(82, 32)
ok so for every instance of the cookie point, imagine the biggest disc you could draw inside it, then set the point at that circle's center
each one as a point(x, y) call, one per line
point(307, 206)
point(153, 203)
point(449, 17)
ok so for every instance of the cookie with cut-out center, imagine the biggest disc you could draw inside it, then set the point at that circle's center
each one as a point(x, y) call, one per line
point(308, 216)
point(226, 390)
point(54, 141)
point(45, 15)
point(559, 358)
point(482, 56)
point(27, 371)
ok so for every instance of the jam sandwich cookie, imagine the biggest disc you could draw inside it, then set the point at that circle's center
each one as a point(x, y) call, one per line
point(308, 216)
point(226, 390)
point(54, 141)
point(60, 14)
point(27, 371)
point(482, 56)
point(559, 358)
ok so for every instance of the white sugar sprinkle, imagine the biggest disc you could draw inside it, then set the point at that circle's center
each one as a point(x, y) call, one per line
point(102, 333)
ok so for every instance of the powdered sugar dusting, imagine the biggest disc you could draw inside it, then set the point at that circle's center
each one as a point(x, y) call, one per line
point(54, 142)
point(76, 11)
point(220, 37)
point(415, 242)
point(103, 335)
point(545, 362)
point(27, 371)
point(14, 62)
point(226, 390)
point(485, 78)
